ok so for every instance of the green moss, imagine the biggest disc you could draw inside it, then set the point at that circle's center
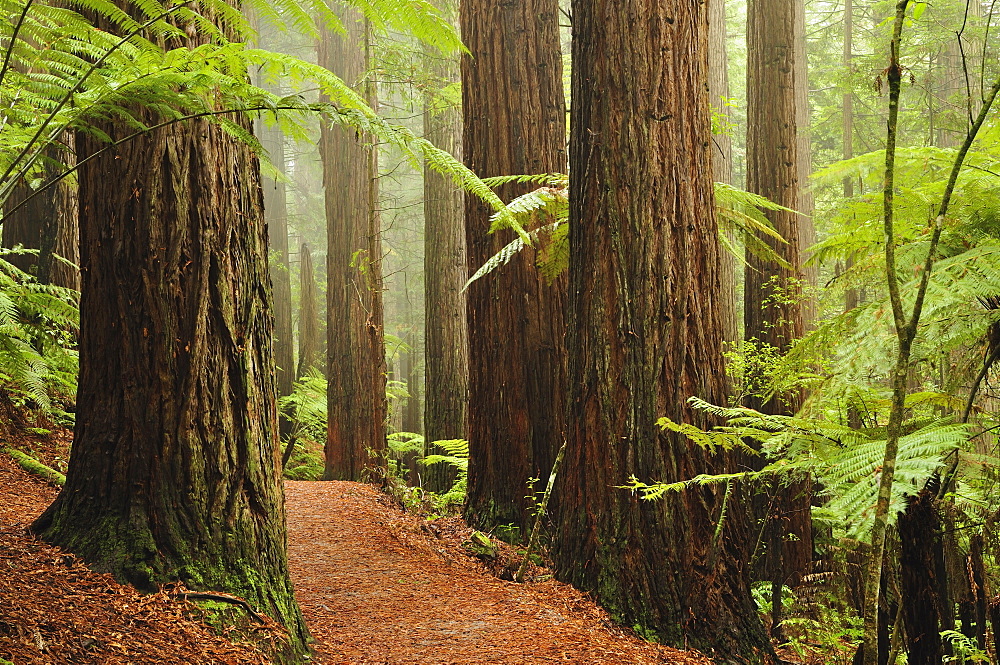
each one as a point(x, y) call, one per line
point(33, 466)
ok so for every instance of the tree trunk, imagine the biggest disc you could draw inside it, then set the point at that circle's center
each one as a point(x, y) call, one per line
point(514, 123)
point(276, 215)
point(851, 296)
point(722, 158)
point(772, 300)
point(446, 350)
point(803, 163)
point(772, 171)
point(356, 371)
point(48, 223)
point(645, 334)
point(310, 354)
point(174, 473)
point(920, 566)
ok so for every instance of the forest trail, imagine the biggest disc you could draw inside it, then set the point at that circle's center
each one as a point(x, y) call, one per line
point(377, 588)
point(374, 584)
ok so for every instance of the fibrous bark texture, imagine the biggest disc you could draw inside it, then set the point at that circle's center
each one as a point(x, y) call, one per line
point(772, 171)
point(514, 123)
point(356, 371)
point(174, 473)
point(446, 353)
point(645, 334)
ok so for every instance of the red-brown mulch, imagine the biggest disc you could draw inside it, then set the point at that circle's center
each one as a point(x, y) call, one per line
point(55, 610)
point(376, 588)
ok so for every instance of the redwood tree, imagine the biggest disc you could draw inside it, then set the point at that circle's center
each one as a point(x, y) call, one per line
point(514, 123)
point(356, 372)
point(309, 340)
point(772, 301)
point(645, 333)
point(47, 222)
point(174, 473)
point(447, 341)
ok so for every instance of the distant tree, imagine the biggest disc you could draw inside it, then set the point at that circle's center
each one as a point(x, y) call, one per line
point(773, 304)
point(645, 334)
point(47, 222)
point(356, 371)
point(446, 352)
point(722, 155)
point(514, 123)
point(174, 471)
point(310, 354)
point(272, 139)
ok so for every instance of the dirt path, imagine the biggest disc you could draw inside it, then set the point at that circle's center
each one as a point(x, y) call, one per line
point(375, 589)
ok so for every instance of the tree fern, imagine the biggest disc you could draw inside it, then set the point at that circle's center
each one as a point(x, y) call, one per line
point(38, 324)
point(544, 213)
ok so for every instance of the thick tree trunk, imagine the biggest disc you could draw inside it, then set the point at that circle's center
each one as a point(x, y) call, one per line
point(48, 223)
point(174, 473)
point(645, 334)
point(446, 350)
point(515, 123)
point(356, 371)
point(921, 565)
point(310, 354)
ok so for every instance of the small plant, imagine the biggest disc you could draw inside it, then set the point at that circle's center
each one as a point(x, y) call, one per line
point(964, 648)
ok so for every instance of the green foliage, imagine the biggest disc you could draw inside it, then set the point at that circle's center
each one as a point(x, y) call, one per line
point(306, 406)
point(38, 326)
point(844, 461)
point(169, 63)
point(455, 454)
point(543, 213)
point(964, 649)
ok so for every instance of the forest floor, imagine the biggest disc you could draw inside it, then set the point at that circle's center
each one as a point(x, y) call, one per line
point(376, 585)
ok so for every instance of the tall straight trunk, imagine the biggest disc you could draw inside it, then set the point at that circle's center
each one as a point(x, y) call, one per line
point(772, 171)
point(722, 156)
point(310, 354)
point(175, 470)
point(48, 223)
point(276, 215)
point(847, 151)
point(446, 347)
point(772, 301)
point(356, 371)
point(803, 154)
point(514, 123)
point(645, 334)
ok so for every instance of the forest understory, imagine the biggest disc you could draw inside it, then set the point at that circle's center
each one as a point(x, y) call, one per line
point(376, 585)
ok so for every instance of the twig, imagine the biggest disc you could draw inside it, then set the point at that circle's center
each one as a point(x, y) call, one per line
point(533, 541)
